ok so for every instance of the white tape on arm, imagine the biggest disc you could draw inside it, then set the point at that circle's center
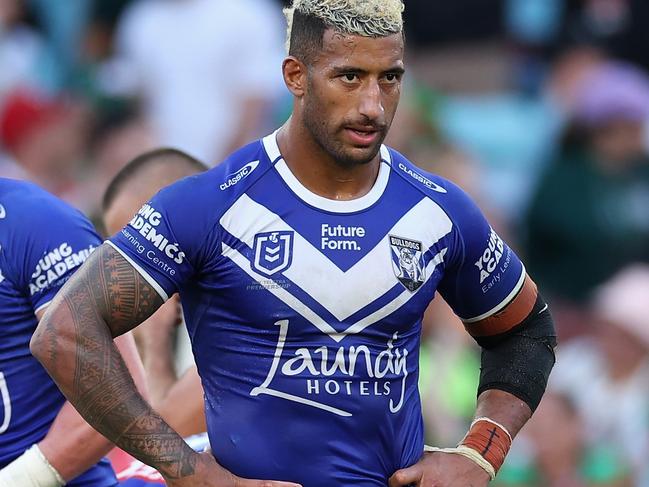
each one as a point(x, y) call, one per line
point(31, 469)
point(467, 453)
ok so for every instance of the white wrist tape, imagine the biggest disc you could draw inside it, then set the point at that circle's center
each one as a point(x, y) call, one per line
point(469, 453)
point(31, 469)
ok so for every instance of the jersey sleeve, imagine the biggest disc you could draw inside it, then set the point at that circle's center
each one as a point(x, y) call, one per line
point(485, 282)
point(56, 240)
point(166, 240)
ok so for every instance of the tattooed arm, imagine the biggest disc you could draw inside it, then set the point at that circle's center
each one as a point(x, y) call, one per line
point(61, 444)
point(74, 341)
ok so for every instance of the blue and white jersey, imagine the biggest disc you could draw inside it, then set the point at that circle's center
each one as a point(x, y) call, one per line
point(42, 242)
point(305, 313)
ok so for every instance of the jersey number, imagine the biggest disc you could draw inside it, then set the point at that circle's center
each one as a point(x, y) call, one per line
point(4, 392)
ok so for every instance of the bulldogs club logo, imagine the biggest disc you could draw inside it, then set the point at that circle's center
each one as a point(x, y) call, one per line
point(273, 252)
point(408, 262)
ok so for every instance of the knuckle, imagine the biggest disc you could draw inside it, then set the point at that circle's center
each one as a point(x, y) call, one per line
point(400, 476)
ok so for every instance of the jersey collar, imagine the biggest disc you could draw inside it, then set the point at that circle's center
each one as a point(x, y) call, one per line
point(320, 202)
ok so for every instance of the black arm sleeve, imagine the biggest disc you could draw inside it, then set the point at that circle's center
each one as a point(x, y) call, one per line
point(519, 361)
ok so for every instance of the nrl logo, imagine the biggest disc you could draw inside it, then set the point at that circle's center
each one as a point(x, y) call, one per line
point(273, 252)
point(408, 262)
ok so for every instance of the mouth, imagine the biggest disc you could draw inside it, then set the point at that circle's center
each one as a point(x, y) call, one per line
point(362, 136)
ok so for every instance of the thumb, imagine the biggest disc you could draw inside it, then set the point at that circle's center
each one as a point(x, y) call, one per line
point(405, 476)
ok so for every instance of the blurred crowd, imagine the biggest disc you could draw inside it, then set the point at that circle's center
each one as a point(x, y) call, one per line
point(538, 108)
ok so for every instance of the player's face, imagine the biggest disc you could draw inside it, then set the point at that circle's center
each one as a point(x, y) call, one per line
point(352, 94)
point(141, 189)
point(121, 211)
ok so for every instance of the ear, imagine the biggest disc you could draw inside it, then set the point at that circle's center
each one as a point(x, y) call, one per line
point(295, 75)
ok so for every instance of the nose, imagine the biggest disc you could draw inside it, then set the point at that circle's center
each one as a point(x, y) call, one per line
point(371, 104)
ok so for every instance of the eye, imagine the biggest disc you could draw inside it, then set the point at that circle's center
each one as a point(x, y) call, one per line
point(349, 77)
point(392, 77)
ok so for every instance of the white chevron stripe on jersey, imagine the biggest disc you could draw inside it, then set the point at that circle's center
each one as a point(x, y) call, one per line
point(342, 293)
point(307, 313)
point(280, 293)
point(396, 303)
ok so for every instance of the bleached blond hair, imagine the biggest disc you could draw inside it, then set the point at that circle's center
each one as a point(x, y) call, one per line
point(368, 18)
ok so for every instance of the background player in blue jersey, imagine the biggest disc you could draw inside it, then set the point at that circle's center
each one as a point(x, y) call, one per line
point(305, 263)
point(43, 440)
point(179, 400)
